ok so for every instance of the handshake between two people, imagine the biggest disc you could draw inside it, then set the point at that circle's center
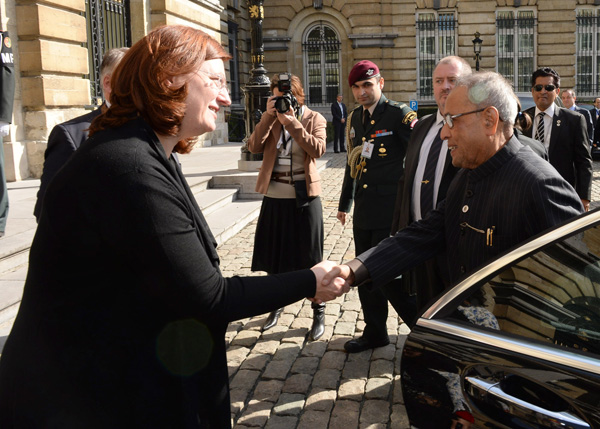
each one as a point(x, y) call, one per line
point(332, 281)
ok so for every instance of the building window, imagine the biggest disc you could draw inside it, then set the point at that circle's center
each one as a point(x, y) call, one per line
point(234, 64)
point(108, 27)
point(516, 47)
point(588, 56)
point(321, 49)
point(436, 39)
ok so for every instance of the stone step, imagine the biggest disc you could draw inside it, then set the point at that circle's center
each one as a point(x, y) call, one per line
point(211, 199)
point(230, 219)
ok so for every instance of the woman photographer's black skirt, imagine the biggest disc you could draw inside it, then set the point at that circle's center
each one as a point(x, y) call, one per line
point(288, 238)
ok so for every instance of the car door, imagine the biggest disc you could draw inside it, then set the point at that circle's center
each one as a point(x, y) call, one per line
point(515, 345)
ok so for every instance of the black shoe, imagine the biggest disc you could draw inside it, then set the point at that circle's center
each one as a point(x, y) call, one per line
point(361, 344)
point(272, 319)
point(336, 151)
point(318, 326)
point(343, 150)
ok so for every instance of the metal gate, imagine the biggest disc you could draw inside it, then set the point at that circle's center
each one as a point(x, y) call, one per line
point(108, 27)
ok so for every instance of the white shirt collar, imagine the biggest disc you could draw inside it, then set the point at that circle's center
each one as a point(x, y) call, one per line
point(549, 111)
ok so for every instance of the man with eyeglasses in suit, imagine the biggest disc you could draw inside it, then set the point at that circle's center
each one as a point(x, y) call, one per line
point(503, 194)
point(563, 132)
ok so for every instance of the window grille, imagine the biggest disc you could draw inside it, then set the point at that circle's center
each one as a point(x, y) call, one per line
point(322, 65)
point(588, 57)
point(516, 47)
point(234, 64)
point(108, 27)
point(436, 39)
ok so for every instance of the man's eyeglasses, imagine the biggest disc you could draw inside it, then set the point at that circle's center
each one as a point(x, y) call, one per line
point(449, 119)
point(548, 88)
point(218, 79)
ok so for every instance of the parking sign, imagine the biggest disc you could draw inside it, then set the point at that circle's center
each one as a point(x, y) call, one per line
point(414, 105)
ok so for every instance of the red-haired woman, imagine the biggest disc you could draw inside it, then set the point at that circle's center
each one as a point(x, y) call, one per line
point(124, 311)
point(289, 234)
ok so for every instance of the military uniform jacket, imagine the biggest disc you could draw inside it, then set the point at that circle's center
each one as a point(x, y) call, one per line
point(7, 78)
point(374, 188)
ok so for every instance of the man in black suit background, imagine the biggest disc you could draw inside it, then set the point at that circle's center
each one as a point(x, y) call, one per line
point(339, 112)
point(65, 138)
point(502, 195)
point(563, 132)
point(595, 111)
point(569, 98)
point(428, 164)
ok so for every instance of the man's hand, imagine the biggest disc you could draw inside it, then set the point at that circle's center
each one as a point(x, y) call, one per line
point(333, 288)
point(342, 217)
point(586, 205)
point(343, 120)
point(339, 271)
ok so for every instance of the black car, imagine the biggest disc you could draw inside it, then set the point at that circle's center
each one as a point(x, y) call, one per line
point(516, 344)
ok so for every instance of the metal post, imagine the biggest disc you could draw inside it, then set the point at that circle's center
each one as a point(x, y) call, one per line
point(257, 89)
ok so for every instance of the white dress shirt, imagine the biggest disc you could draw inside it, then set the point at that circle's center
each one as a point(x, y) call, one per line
point(423, 154)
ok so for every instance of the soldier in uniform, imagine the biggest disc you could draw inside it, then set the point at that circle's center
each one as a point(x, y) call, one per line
point(7, 97)
point(377, 132)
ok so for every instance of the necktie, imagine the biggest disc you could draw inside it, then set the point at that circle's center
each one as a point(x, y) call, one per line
point(366, 119)
point(539, 134)
point(429, 175)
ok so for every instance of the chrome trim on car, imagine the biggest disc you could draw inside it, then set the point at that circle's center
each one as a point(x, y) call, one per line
point(522, 250)
point(559, 356)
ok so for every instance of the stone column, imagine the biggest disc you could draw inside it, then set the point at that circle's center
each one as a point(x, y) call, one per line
point(257, 89)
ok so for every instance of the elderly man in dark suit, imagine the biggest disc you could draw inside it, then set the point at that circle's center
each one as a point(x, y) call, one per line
point(503, 195)
point(569, 98)
point(339, 113)
point(563, 132)
point(66, 138)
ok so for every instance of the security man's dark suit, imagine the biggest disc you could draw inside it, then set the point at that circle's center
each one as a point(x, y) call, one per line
point(588, 121)
point(63, 141)
point(569, 150)
point(425, 280)
point(338, 114)
point(374, 188)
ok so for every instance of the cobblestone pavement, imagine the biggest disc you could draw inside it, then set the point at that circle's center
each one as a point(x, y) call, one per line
point(280, 379)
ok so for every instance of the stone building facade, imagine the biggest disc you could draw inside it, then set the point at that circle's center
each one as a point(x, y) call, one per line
point(320, 40)
point(55, 62)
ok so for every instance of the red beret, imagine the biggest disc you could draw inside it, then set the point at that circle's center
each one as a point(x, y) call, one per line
point(363, 70)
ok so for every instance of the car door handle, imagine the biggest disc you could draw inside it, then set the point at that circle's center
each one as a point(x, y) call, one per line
point(486, 389)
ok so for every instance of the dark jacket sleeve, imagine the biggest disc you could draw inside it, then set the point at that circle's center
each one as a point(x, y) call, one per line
point(172, 260)
point(60, 148)
point(582, 159)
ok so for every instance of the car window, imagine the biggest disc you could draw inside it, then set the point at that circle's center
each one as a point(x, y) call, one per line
point(552, 296)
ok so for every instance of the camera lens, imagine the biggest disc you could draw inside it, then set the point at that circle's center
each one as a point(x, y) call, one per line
point(282, 104)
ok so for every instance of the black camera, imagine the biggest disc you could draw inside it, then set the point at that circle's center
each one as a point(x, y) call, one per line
point(287, 100)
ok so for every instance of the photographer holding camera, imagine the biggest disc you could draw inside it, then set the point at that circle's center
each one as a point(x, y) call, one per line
point(289, 234)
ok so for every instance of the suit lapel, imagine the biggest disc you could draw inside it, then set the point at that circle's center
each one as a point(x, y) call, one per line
point(412, 163)
point(555, 133)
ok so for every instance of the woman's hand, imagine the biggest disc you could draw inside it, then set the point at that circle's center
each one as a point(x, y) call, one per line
point(271, 106)
point(287, 117)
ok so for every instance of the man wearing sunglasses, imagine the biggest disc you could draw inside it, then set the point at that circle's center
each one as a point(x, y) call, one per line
point(563, 132)
point(503, 195)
